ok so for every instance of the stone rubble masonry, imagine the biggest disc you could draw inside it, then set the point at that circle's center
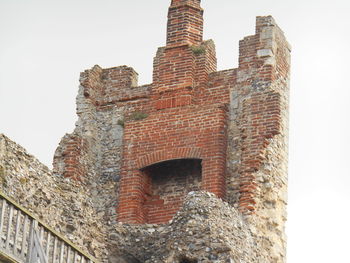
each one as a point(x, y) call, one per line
point(205, 230)
point(137, 151)
point(64, 204)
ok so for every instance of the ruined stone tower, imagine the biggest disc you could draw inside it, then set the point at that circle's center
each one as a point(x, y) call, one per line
point(193, 128)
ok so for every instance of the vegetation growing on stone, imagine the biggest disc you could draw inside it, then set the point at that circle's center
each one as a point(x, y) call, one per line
point(222, 123)
point(198, 50)
point(121, 122)
point(137, 115)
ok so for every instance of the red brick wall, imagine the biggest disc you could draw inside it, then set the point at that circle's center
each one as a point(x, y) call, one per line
point(261, 118)
point(188, 112)
point(174, 70)
point(181, 76)
point(185, 131)
point(72, 149)
point(185, 23)
point(188, 119)
point(264, 69)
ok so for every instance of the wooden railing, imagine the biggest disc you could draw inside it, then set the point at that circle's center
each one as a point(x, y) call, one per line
point(24, 239)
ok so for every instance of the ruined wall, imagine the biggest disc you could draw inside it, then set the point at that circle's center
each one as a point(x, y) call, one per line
point(259, 126)
point(64, 204)
point(102, 102)
point(175, 131)
point(205, 230)
point(235, 122)
point(179, 121)
point(198, 157)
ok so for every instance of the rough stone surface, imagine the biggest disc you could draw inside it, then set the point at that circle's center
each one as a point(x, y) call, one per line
point(127, 160)
point(61, 203)
point(205, 229)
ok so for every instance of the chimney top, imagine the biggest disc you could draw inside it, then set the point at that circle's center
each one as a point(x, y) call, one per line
point(185, 23)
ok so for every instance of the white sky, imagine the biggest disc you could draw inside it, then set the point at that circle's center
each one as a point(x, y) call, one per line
point(44, 45)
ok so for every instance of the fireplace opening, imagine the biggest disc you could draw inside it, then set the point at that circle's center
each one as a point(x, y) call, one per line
point(168, 184)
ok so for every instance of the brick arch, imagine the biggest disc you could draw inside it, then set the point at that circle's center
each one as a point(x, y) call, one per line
point(165, 155)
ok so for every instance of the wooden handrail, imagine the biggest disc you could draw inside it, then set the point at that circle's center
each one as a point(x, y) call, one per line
point(28, 216)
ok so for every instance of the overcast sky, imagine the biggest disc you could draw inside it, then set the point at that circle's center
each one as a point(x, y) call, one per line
point(44, 45)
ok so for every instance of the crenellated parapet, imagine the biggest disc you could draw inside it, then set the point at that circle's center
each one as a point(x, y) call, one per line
point(193, 128)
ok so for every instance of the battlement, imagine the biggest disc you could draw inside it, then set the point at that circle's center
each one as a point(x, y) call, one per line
point(105, 86)
point(193, 128)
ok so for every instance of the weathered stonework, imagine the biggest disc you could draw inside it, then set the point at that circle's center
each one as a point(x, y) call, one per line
point(64, 204)
point(206, 229)
point(153, 160)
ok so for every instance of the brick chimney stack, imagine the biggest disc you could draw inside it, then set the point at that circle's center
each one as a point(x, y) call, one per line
point(176, 64)
point(193, 128)
point(185, 23)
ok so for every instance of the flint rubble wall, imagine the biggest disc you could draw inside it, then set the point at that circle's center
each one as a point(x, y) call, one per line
point(64, 204)
point(241, 133)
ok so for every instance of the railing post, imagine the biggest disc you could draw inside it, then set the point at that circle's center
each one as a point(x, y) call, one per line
point(8, 230)
point(35, 248)
point(39, 248)
point(3, 207)
point(22, 238)
point(15, 239)
point(31, 253)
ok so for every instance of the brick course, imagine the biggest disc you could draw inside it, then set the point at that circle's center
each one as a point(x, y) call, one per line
point(177, 133)
point(234, 123)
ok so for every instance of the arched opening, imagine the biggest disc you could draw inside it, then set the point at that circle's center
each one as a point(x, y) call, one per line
point(168, 184)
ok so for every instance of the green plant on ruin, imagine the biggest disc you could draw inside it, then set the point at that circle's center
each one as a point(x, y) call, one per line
point(137, 115)
point(198, 50)
point(121, 122)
